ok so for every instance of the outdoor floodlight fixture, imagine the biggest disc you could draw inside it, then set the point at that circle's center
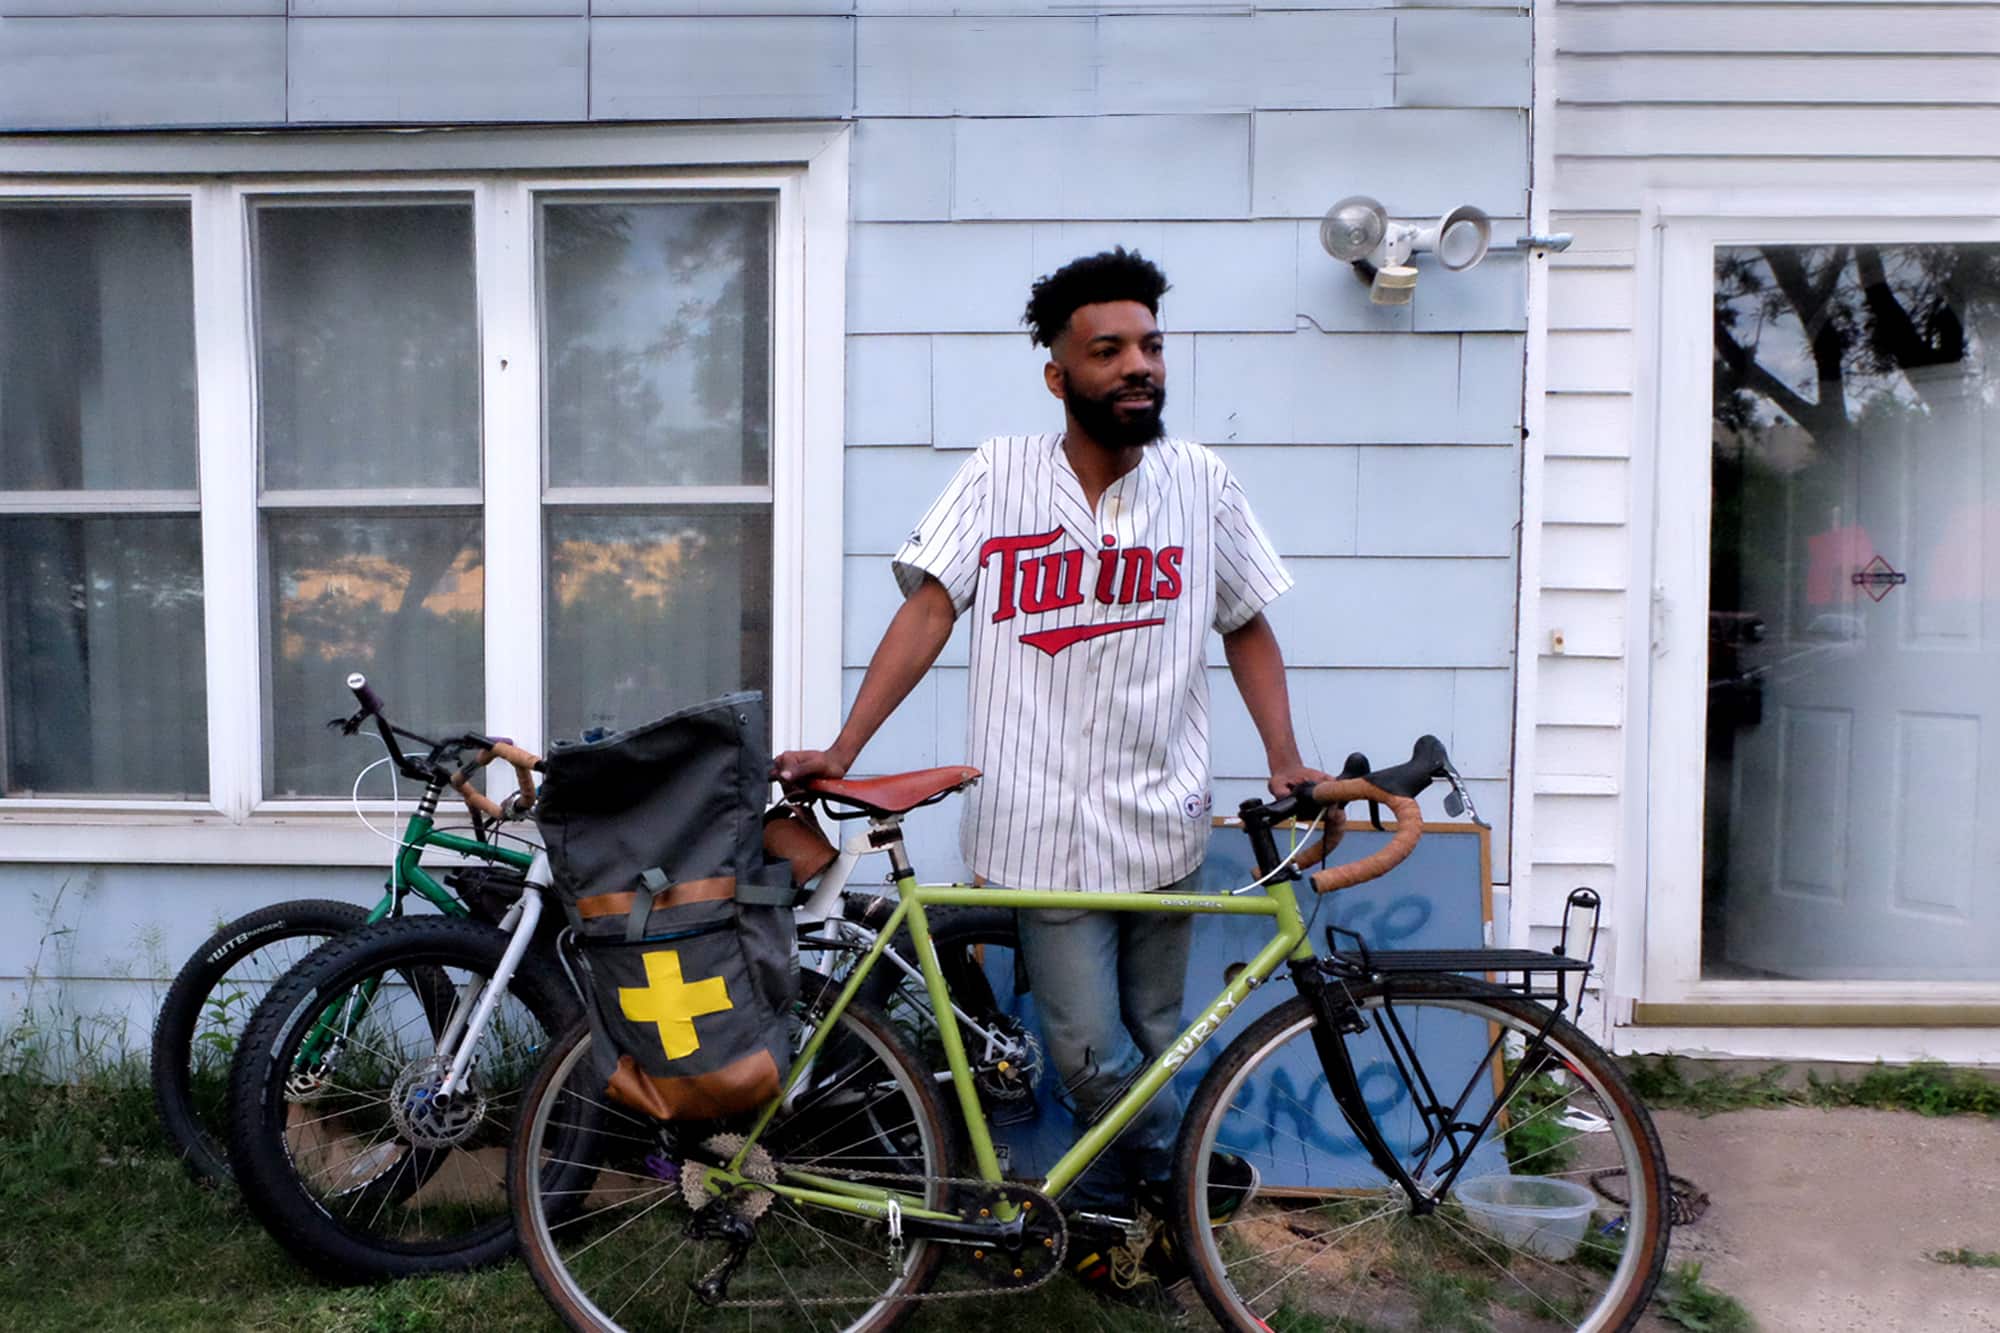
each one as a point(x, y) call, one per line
point(1360, 232)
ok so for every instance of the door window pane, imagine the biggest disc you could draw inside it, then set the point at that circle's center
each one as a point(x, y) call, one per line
point(101, 654)
point(1853, 748)
point(96, 348)
point(657, 331)
point(395, 596)
point(649, 612)
point(367, 346)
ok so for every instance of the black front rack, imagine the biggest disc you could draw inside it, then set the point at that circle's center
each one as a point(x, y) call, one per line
point(1350, 958)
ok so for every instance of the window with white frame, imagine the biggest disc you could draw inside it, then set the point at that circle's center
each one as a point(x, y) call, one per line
point(392, 374)
point(101, 648)
point(656, 354)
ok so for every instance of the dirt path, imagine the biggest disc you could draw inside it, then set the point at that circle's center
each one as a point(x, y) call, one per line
point(1822, 1220)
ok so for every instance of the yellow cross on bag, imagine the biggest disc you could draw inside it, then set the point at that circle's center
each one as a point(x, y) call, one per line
point(672, 1003)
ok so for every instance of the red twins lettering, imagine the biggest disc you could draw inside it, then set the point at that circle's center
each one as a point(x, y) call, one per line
point(1034, 583)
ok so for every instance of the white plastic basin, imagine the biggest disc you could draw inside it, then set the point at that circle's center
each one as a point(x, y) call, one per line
point(1539, 1214)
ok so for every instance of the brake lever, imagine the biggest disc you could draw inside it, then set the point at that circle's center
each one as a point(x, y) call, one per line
point(347, 726)
point(1458, 800)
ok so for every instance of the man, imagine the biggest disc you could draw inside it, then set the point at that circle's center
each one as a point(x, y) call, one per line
point(1095, 561)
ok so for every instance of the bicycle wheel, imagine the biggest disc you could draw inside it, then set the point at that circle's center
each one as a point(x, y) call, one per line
point(335, 1140)
point(1349, 1252)
point(207, 1007)
point(613, 1230)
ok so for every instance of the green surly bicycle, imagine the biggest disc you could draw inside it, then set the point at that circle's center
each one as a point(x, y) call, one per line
point(1498, 1171)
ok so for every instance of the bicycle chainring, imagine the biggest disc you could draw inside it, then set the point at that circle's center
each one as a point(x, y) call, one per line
point(1043, 1242)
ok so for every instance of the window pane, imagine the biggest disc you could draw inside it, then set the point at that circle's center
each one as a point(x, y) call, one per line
point(650, 612)
point(96, 349)
point(1853, 700)
point(398, 597)
point(658, 326)
point(102, 658)
point(367, 346)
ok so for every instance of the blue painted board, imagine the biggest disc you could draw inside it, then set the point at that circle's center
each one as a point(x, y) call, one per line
point(1438, 899)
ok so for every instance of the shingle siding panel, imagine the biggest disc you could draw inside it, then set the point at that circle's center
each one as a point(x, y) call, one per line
point(1359, 388)
point(923, 278)
point(889, 389)
point(388, 70)
point(1417, 162)
point(1191, 167)
point(1437, 500)
point(107, 73)
point(140, 9)
point(317, 9)
point(721, 68)
point(1172, 63)
point(901, 171)
point(1461, 58)
point(975, 67)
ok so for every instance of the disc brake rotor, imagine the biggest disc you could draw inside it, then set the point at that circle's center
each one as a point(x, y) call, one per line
point(421, 1119)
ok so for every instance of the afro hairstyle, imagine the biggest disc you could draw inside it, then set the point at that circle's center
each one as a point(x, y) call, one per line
point(1115, 275)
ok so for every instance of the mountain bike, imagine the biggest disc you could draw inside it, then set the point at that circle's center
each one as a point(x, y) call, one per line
point(213, 995)
point(1423, 1077)
point(377, 1081)
point(373, 1084)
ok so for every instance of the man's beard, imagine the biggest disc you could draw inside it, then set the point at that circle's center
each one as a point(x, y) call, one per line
point(1102, 421)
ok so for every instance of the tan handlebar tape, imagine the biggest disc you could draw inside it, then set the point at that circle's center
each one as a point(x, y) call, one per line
point(1409, 828)
point(524, 766)
point(1331, 832)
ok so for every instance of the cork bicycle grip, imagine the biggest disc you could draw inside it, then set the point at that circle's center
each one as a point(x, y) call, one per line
point(1397, 788)
point(484, 806)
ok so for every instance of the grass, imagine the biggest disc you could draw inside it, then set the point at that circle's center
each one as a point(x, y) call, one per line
point(105, 1231)
point(1926, 1088)
point(1685, 1301)
point(1964, 1258)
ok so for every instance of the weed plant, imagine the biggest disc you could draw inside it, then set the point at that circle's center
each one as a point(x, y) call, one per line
point(1927, 1088)
point(1964, 1258)
point(1685, 1301)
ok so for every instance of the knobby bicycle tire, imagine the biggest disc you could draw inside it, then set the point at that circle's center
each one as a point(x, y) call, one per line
point(346, 1161)
point(1353, 1253)
point(603, 1213)
point(206, 1009)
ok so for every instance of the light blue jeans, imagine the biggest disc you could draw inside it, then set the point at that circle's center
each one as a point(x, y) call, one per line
point(1109, 986)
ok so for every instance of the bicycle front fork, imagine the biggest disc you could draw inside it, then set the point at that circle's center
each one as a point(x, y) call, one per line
point(1335, 1018)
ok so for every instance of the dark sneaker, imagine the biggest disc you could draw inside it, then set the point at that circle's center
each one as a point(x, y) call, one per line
point(1232, 1183)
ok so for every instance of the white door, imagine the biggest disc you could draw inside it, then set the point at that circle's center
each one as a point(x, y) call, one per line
point(1853, 702)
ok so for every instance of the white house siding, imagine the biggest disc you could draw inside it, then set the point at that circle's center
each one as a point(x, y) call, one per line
point(993, 141)
point(1691, 96)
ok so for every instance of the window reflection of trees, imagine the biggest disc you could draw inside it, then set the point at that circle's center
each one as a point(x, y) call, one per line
point(399, 597)
point(651, 612)
point(658, 343)
point(1821, 354)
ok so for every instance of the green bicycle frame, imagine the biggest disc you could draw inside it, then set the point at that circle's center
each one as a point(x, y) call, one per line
point(1288, 943)
point(405, 874)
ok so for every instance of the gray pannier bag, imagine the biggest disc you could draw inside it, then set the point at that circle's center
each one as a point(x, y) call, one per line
point(688, 951)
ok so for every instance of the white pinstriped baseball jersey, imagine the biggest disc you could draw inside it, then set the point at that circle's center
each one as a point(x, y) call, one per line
point(1088, 711)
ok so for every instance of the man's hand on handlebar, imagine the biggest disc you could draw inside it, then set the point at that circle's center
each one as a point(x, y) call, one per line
point(1287, 781)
